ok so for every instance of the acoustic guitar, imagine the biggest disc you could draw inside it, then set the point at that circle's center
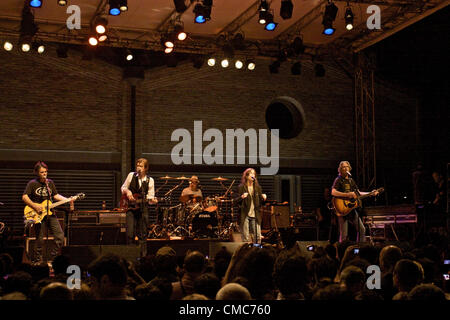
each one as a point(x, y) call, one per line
point(47, 205)
point(343, 206)
point(126, 204)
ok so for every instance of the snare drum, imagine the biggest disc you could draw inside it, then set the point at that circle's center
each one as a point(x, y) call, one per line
point(210, 204)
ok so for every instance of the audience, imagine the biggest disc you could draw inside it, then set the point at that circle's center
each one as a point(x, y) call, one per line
point(332, 272)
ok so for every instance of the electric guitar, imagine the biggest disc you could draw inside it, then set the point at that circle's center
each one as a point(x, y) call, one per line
point(47, 205)
point(343, 206)
point(126, 204)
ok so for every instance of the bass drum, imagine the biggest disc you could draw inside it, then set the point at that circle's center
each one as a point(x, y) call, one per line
point(204, 224)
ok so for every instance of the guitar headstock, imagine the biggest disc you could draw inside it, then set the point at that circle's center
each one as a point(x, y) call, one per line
point(79, 196)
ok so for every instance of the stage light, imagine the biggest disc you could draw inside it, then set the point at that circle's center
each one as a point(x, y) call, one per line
point(62, 3)
point(199, 11)
point(251, 65)
point(168, 50)
point(319, 70)
point(270, 24)
point(238, 64)
point(129, 55)
point(25, 43)
point(102, 37)
point(328, 18)
point(35, 3)
point(38, 46)
point(114, 8)
point(100, 25)
point(224, 63)
point(41, 49)
point(263, 9)
point(8, 46)
point(123, 5)
point(168, 40)
point(296, 68)
point(274, 66)
point(348, 18)
point(180, 6)
point(211, 62)
point(286, 9)
point(93, 40)
point(179, 31)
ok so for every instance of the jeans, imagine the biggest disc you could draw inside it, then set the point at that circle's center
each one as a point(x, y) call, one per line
point(248, 230)
point(343, 227)
point(137, 225)
point(41, 231)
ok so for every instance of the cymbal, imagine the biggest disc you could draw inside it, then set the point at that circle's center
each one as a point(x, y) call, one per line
point(182, 178)
point(165, 178)
point(219, 179)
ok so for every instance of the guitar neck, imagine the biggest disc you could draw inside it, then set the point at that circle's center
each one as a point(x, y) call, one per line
point(56, 204)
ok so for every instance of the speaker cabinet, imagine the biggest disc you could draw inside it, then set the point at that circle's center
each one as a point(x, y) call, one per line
point(97, 234)
point(275, 216)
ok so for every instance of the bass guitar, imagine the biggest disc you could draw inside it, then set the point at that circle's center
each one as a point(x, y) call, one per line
point(47, 205)
point(343, 206)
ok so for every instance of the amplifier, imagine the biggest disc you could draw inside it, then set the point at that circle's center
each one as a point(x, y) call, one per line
point(78, 218)
point(112, 218)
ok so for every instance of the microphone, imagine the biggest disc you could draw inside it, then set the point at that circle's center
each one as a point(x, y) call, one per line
point(253, 178)
point(348, 172)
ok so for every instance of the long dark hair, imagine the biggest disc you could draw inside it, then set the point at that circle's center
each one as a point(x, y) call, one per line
point(245, 175)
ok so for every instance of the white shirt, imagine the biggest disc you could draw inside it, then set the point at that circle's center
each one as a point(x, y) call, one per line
point(251, 211)
point(151, 185)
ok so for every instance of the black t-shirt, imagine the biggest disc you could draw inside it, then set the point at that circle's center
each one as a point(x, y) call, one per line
point(342, 184)
point(37, 191)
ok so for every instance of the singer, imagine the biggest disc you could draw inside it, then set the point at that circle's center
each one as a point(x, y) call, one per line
point(139, 185)
point(345, 187)
point(250, 199)
point(37, 191)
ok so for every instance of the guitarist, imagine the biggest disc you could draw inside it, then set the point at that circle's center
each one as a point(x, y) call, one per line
point(139, 183)
point(37, 191)
point(345, 187)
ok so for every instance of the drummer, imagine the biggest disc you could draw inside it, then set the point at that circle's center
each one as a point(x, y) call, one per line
point(193, 192)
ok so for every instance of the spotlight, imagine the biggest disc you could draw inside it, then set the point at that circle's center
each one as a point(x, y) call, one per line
point(25, 43)
point(168, 40)
point(263, 9)
point(38, 46)
point(286, 9)
point(8, 46)
point(35, 3)
point(41, 49)
point(199, 12)
point(224, 63)
point(100, 25)
point(93, 41)
point(61, 51)
point(114, 7)
point(273, 68)
point(328, 18)
point(211, 61)
point(168, 50)
point(129, 55)
point(319, 70)
point(251, 65)
point(270, 24)
point(180, 6)
point(102, 37)
point(62, 3)
point(123, 5)
point(179, 31)
point(238, 64)
point(348, 18)
point(296, 68)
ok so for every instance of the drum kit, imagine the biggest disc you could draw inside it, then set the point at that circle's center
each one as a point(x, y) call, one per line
point(194, 216)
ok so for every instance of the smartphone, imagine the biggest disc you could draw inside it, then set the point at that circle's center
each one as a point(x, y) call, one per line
point(259, 245)
point(310, 248)
point(446, 276)
point(356, 251)
point(446, 261)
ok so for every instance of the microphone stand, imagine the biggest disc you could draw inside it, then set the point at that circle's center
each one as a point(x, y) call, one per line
point(47, 222)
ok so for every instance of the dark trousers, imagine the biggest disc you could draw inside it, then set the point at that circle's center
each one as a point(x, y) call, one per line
point(41, 231)
point(137, 224)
